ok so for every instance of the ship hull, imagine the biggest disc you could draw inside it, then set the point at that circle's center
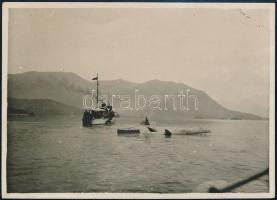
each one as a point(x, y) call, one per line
point(98, 122)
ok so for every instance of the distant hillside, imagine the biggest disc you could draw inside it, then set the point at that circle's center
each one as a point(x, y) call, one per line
point(39, 107)
point(18, 111)
point(69, 88)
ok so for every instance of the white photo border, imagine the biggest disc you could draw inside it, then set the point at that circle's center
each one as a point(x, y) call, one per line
point(18, 5)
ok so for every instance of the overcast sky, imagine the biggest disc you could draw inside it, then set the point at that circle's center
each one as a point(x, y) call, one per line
point(223, 52)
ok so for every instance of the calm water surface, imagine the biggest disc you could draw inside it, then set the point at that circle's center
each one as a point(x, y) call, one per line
point(59, 155)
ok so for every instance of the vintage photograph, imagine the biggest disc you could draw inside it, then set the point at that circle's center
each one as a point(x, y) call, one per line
point(138, 100)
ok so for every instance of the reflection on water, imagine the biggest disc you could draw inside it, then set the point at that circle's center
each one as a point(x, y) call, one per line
point(59, 155)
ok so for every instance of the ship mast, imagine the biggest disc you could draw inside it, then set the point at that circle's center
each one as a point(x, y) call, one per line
point(97, 92)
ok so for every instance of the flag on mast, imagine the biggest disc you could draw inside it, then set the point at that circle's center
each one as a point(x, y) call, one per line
point(95, 78)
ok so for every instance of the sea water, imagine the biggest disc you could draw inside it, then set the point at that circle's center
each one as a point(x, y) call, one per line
point(57, 154)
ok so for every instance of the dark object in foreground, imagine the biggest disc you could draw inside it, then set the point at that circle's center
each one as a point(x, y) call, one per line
point(128, 131)
point(151, 129)
point(167, 132)
point(19, 112)
point(239, 183)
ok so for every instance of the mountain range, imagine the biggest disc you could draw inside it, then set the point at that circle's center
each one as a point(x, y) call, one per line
point(60, 91)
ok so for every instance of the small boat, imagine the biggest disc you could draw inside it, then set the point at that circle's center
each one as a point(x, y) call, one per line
point(167, 132)
point(102, 114)
point(187, 131)
point(146, 122)
point(151, 129)
point(128, 131)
